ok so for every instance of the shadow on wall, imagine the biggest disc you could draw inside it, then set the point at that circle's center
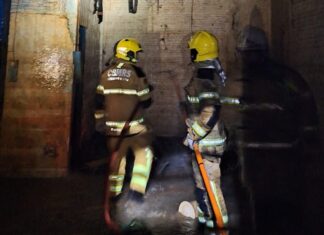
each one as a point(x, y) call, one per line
point(279, 134)
point(256, 19)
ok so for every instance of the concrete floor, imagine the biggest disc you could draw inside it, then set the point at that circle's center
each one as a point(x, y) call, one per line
point(73, 205)
point(171, 183)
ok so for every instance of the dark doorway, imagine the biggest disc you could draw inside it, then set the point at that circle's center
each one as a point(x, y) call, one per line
point(4, 30)
point(76, 126)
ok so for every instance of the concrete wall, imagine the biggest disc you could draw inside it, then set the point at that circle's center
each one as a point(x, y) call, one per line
point(163, 28)
point(35, 128)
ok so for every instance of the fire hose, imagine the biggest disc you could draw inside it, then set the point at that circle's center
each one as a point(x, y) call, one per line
point(212, 198)
point(111, 161)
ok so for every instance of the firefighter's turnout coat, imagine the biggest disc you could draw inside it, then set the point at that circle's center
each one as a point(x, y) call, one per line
point(125, 90)
point(206, 127)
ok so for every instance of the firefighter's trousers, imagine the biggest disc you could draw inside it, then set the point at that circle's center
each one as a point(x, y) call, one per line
point(212, 166)
point(139, 144)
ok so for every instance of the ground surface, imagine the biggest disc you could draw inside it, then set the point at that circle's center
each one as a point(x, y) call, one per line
point(73, 205)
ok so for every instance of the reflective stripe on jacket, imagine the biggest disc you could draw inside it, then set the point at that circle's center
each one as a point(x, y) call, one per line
point(123, 86)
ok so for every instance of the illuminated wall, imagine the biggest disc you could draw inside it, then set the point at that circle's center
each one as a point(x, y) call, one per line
point(35, 128)
point(163, 28)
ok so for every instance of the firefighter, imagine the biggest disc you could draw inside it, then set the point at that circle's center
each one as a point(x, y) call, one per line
point(204, 124)
point(126, 93)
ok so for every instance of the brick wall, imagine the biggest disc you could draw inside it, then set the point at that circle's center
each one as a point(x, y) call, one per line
point(163, 28)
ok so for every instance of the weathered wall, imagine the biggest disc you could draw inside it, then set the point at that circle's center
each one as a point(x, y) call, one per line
point(85, 133)
point(163, 28)
point(91, 62)
point(298, 31)
point(35, 128)
point(297, 41)
point(4, 31)
point(305, 47)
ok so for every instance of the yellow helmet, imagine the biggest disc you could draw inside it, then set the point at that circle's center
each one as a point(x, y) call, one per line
point(203, 46)
point(127, 48)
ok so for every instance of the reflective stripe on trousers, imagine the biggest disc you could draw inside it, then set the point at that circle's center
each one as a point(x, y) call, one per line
point(116, 186)
point(116, 181)
point(218, 194)
point(143, 157)
point(213, 172)
point(141, 169)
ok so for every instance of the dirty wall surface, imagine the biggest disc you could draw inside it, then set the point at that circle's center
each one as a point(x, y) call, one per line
point(37, 105)
point(163, 28)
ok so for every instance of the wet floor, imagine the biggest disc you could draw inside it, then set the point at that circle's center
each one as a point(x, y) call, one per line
point(171, 183)
point(262, 196)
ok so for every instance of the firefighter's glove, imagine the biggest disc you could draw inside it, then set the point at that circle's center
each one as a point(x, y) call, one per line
point(189, 142)
point(192, 134)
